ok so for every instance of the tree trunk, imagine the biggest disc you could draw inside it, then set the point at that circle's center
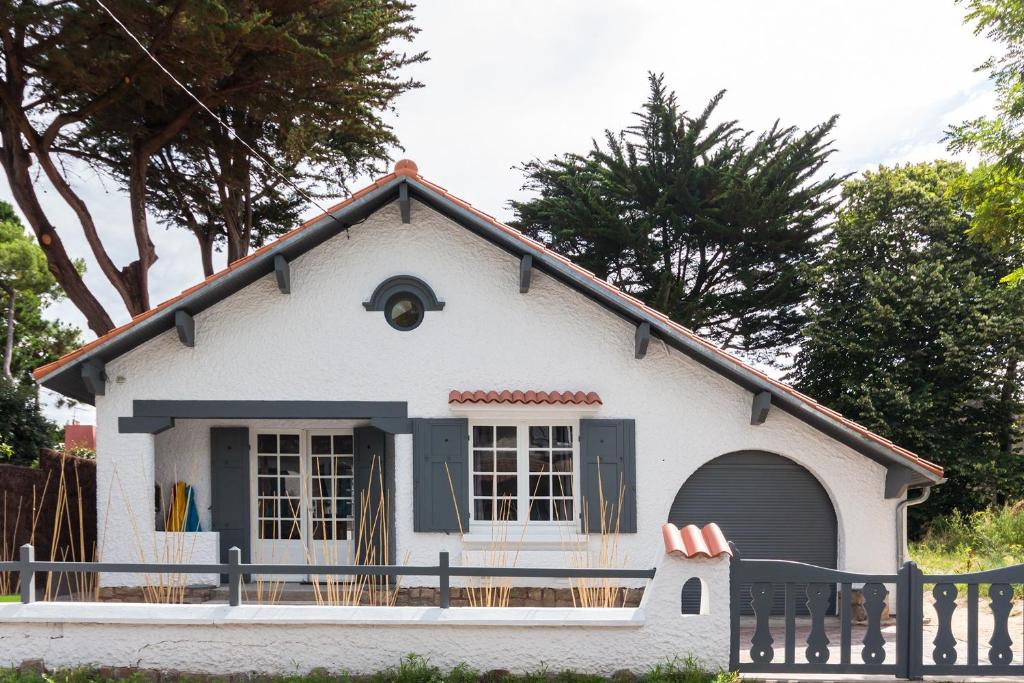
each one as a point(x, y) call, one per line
point(15, 160)
point(138, 272)
point(12, 295)
point(205, 250)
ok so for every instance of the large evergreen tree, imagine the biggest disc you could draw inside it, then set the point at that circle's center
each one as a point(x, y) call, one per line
point(304, 83)
point(707, 222)
point(911, 334)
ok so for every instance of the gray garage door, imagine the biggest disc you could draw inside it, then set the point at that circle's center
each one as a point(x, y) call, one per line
point(767, 505)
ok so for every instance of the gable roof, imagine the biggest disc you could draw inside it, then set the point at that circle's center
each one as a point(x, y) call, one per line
point(65, 374)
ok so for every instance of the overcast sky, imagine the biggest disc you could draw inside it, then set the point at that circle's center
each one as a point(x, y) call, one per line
point(510, 81)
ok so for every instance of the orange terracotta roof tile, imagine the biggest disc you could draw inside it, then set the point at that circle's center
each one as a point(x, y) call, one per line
point(691, 541)
point(525, 397)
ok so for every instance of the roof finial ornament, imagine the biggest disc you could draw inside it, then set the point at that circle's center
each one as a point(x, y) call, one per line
point(407, 167)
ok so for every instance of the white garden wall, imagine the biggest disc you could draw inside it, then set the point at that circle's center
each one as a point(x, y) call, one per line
point(318, 343)
point(217, 639)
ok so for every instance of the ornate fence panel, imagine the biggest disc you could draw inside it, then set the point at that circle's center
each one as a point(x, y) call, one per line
point(826, 644)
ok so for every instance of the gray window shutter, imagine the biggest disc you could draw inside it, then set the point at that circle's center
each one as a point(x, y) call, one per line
point(440, 449)
point(369, 481)
point(608, 470)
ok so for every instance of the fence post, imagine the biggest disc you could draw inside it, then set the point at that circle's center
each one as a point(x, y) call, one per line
point(445, 592)
point(234, 576)
point(903, 621)
point(27, 574)
point(915, 622)
point(734, 608)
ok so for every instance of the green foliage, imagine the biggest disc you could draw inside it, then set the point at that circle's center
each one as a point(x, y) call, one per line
point(911, 334)
point(412, 669)
point(707, 222)
point(959, 543)
point(23, 428)
point(23, 273)
point(993, 190)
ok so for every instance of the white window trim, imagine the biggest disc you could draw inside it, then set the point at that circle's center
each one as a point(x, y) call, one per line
point(541, 534)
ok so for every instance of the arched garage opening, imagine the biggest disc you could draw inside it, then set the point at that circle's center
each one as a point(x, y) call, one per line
point(768, 506)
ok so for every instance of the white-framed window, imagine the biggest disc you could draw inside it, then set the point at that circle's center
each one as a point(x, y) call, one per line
point(279, 485)
point(523, 471)
point(331, 485)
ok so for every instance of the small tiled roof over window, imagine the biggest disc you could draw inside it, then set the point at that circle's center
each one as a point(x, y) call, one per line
point(547, 398)
point(692, 541)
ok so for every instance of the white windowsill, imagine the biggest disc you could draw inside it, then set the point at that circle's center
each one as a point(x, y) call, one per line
point(121, 613)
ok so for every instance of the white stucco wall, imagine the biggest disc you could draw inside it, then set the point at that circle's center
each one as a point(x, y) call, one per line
point(318, 343)
point(217, 639)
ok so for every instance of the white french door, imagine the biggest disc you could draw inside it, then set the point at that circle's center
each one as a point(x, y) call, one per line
point(302, 487)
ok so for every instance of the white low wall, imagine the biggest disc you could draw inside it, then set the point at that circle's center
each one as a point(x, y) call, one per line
point(218, 639)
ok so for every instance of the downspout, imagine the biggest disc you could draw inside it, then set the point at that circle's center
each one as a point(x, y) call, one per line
point(901, 532)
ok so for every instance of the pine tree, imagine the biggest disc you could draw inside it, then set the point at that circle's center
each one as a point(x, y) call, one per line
point(707, 222)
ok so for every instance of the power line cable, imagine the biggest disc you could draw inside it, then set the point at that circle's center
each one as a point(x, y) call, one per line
point(230, 130)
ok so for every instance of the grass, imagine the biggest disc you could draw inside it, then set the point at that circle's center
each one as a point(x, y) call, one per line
point(960, 544)
point(412, 669)
point(10, 598)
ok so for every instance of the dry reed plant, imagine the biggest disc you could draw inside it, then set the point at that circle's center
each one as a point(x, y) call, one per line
point(590, 592)
point(177, 548)
point(492, 591)
point(67, 539)
point(371, 546)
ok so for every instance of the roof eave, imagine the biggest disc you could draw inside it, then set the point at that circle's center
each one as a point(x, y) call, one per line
point(67, 379)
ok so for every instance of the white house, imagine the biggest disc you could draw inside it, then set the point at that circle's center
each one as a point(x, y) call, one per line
point(409, 343)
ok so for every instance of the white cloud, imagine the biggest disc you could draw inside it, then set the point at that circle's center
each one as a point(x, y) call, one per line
point(512, 80)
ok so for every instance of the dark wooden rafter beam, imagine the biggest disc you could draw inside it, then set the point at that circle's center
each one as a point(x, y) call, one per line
point(144, 425)
point(186, 326)
point(94, 376)
point(392, 425)
point(525, 272)
point(283, 274)
point(641, 340)
point(898, 479)
point(404, 206)
point(760, 406)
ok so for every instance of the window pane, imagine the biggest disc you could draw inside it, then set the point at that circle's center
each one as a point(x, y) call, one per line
point(289, 465)
point(266, 486)
point(322, 530)
point(344, 488)
point(483, 461)
point(506, 485)
point(341, 529)
point(290, 508)
point(483, 486)
point(540, 510)
point(267, 507)
point(561, 461)
point(539, 461)
point(268, 528)
point(266, 464)
point(483, 437)
point(483, 509)
point(539, 437)
point(343, 445)
point(561, 437)
point(321, 487)
point(290, 530)
point(321, 466)
point(289, 443)
point(540, 485)
point(506, 461)
point(291, 486)
point(344, 466)
point(266, 443)
point(562, 509)
point(320, 445)
point(343, 509)
point(561, 485)
point(507, 510)
point(506, 437)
